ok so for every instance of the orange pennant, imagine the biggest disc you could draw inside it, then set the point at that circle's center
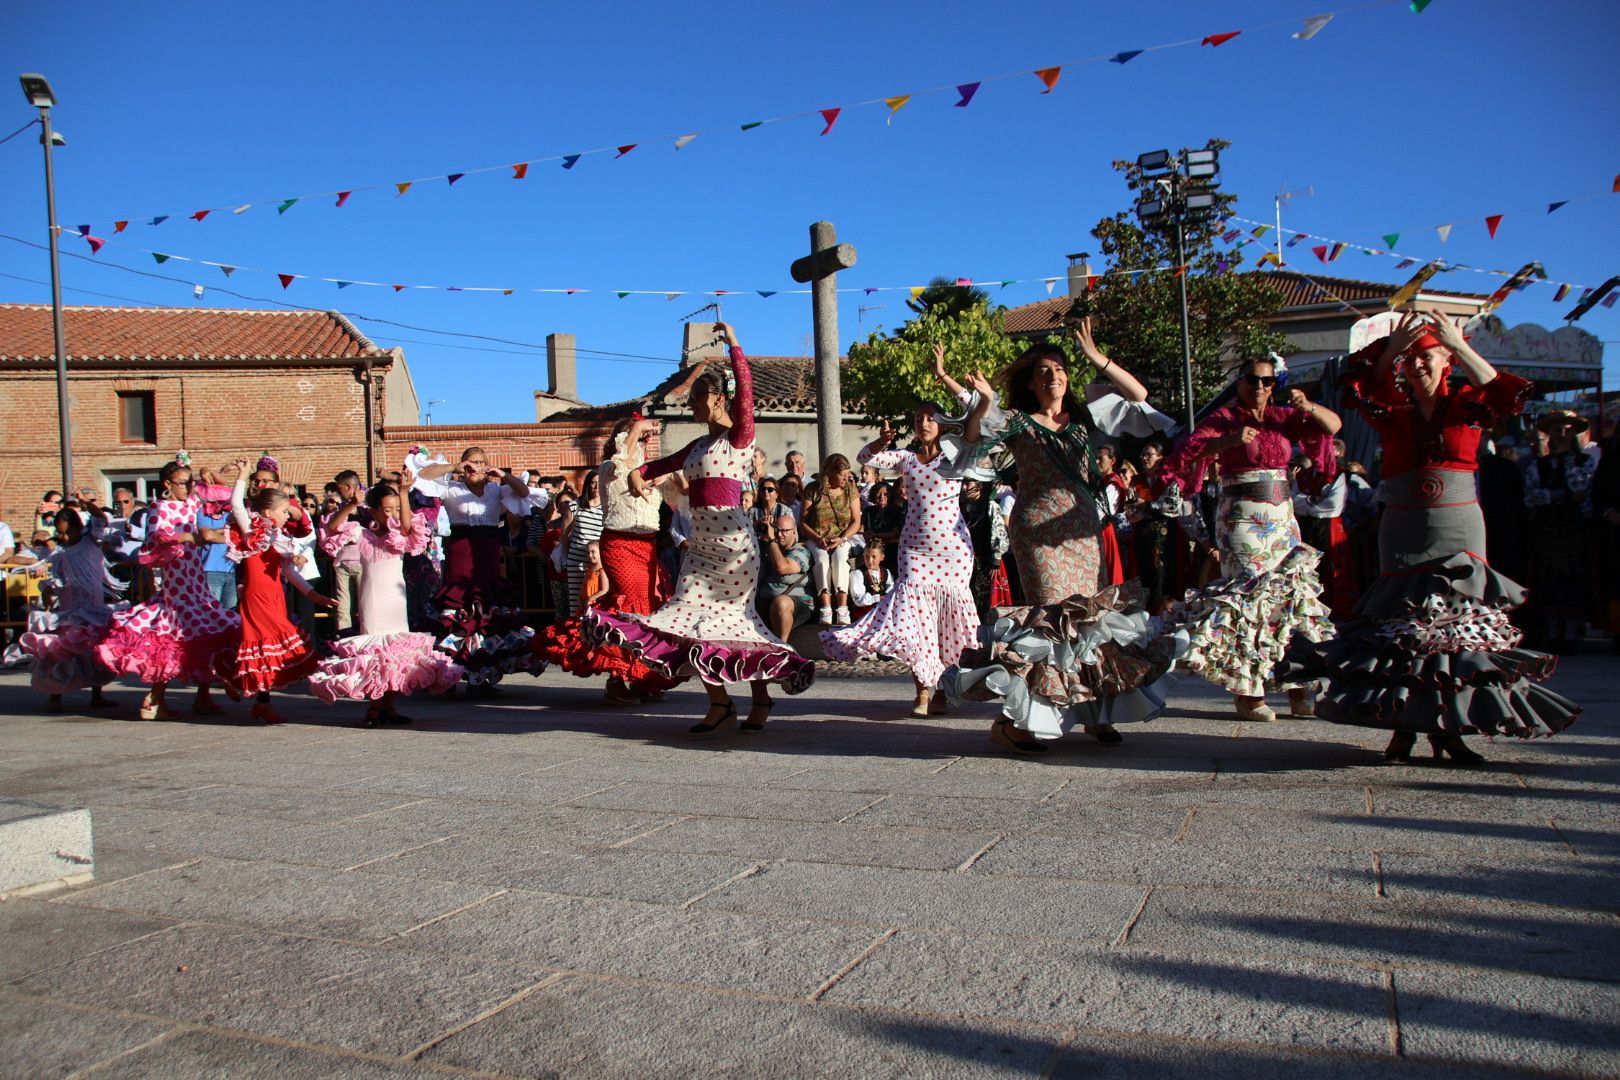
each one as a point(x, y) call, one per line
point(120, 226)
point(403, 188)
point(398, 288)
point(1050, 77)
point(520, 170)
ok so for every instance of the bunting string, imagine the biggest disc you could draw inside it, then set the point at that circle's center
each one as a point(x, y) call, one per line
point(1305, 29)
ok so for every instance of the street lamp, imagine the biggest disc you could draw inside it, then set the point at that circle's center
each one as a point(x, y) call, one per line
point(1177, 192)
point(39, 95)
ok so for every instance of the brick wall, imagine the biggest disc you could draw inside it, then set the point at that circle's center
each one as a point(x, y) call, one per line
point(568, 448)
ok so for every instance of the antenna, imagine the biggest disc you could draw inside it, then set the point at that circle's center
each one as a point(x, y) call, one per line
point(1287, 197)
point(860, 312)
point(428, 418)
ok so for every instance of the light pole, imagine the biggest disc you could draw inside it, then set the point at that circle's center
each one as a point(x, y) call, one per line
point(1178, 192)
point(427, 419)
point(38, 93)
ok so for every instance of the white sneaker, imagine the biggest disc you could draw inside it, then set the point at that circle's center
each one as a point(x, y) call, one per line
point(841, 617)
point(826, 616)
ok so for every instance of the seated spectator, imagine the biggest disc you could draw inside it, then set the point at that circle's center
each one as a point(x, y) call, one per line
point(784, 580)
point(765, 505)
point(884, 523)
point(788, 491)
point(870, 582)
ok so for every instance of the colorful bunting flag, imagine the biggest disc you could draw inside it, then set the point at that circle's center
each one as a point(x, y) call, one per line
point(95, 243)
point(1312, 27)
point(917, 290)
point(1520, 279)
point(1408, 291)
point(1049, 283)
point(621, 295)
point(1591, 297)
point(752, 124)
point(1221, 267)
point(1091, 281)
point(399, 288)
point(1616, 186)
point(1555, 205)
point(199, 215)
point(1182, 269)
point(964, 282)
point(1259, 230)
point(1492, 222)
point(1338, 249)
point(681, 142)
point(244, 208)
point(1269, 257)
point(1562, 291)
point(895, 104)
point(452, 288)
point(120, 226)
point(343, 197)
point(766, 294)
point(1125, 57)
point(1009, 281)
point(1231, 235)
point(286, 279)
point(507, 292)
point(160, 219)
point(1321, 252)
point(1404, 263)
point(1444, 231)
point(1417, 6)
point(1608, 301)
point(570, 160)
point(673, 295)
point(160, 258)
point(868, 292)
point(84, 230)
point(571, 292)
point(1217, 40)
point(227, 270)
point(520, 170)
point(343, 284)
point(1391, 239)
point(625, 149)
point(1050, 77)
point(286, 206)
point(1297, 237)
point(402, 188)
point(453, 177)
point(967, 90)
point(831, 116)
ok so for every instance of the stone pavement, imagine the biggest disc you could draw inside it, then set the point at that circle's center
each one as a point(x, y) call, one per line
point(535, 885)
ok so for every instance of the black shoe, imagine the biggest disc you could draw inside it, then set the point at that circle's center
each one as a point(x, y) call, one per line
point(709, 727)
point(1453, 746)
point(1400, 746)
point(1001, 734)
point(760, 709)
point(1106, 734)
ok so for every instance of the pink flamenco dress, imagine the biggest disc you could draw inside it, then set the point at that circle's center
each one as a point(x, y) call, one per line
point(61, 644)
point(709, 627)
point(386, 656)
point(181, 633)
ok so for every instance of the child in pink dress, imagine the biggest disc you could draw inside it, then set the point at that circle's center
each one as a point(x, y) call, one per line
point(386, 659)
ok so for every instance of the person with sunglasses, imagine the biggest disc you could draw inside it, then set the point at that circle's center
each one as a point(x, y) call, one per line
point(1240, 624)
point(180, 632)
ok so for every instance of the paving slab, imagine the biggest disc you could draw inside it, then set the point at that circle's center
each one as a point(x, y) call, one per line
point(763, 802)
point(193, 835)
point(40, 1039)
point(301, 899)
point(1132, 1057)
point(1379, 832)
point(1066, 817)
point(38, 934)
point(204, 1055)
point(1566, 883)
point(859, 845)
point(373, 1000)
point(576, 1028)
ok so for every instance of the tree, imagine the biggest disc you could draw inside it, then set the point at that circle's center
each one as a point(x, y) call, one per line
point(892, 374)
point(945, 297)
point(1137, 317)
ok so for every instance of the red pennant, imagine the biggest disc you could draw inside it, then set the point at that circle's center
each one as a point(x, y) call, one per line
point(1616, 182)
point(1492, 222)
point(831, 116)
point(1050, 77)
point(343, 197)
point(1091, 282)
point(1217, 40)
point(520, 170)
point(120, 226)
point(399, 288)
point(287, 279)
point(1321, 252)
point(625, 149)
point(1180, 270)
point(95, 244)
point(199, 215)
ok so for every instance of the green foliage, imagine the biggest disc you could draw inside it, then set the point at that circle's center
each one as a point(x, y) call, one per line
point(893, 374)
point(1139, 323)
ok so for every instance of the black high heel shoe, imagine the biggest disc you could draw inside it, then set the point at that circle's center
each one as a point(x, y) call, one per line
point(709, 727)
point(1001, 733)
point(1400, 746)
point(1453, 746)
point(761, 709)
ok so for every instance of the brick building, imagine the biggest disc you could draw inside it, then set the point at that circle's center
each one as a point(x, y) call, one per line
point(144, 383)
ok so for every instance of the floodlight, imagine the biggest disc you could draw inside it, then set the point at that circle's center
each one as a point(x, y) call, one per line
point(37, 91)
point(1149, 208)
point(1201, 203)
point(1153, 160)
point(1202, 157)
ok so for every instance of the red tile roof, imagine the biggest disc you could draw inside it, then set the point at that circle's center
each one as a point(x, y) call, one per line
point(781, 384)
point(114, 333)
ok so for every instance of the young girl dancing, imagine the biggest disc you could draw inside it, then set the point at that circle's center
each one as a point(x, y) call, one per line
point(62, 643)
point(386, 658)
point(273, 653)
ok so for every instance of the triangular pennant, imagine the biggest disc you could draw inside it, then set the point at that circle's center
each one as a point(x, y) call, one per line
point(506, 292)
point(1259, 230)
point(1125, 57)
point(199, 215)
point(673, 295)
point(285, 206)
point(1091, 281)
point(967, 90)
point(831, 116)
point(343, 284)
point(1312, 27)
point(1009, 281)
point(452, 288)
point(1608, 301)
point(1221, 267)
point(1050, 283)
point(399, 288)
point(1230, 235)
point(453, 177)
point(964, 282)
point(343, 197)
point(1296, 238)
point(1321, 251)
point(160, 219)
point(621, 295)
point(84, 230)
point(1555, 205)
point(571, 292)
point(1616, 186)
point(1050, 77)
point(1136, 276)
point(752, 124)
point(95, 243)
point(120, 226)
point(1444, 231)
point(868, 292)
point(1406, 293)
point(570, 160)
point(227, 270)
point(1417, 6)
point(1270, 256)
point(766, 295)
point(520, 170)
point(625, 149)
point(1562, 291)
point(160, 257)
point(1404, 263)
point(1391, 239)
point(1338, 249)
point(1217, 40)
point(1182, 269)
point(402, 188)
point(916, 291)
point(895, 104)
point(286, 279)
point(684, 141)
point(244, 208)
point(1492, 222)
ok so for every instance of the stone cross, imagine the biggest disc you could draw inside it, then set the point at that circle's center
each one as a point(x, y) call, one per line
point(820, 267)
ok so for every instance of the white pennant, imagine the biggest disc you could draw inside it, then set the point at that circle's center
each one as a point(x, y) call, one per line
point(1313, 26)
point(680, 143)
point(1444, 231)
point(1050, 282)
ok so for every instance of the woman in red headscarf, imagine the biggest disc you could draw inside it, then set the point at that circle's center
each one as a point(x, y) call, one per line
point(1432, 649)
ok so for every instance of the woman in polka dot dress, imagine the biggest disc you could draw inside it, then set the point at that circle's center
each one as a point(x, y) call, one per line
point(709, 627)
point(181, 631)
point(929, 617)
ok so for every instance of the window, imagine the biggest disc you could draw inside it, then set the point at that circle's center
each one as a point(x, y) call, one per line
point(145, 486)
point(137, 417)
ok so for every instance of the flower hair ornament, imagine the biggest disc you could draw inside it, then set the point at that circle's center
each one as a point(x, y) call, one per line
point(267, 464)
point(183, 458)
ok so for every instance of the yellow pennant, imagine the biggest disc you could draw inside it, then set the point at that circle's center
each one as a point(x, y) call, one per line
point(403, 188)
point(916, 291)
point(894, 104)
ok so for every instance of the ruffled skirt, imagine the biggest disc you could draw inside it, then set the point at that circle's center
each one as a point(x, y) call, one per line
point(923, 624)
point(61, 646)
point(481, 628)
point(565, 645)
point(367, 666)
point(1089, 660)
point(161, 654)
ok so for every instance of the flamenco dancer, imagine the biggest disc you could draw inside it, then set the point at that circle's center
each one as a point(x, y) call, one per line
point(1241, 624)
point(709, 627)
point(1431, 649)
point(181, 632)
point(386, 659)
point(637, 580)
point(62, 643)
point(483, 627)
point(272, 652)
point(929, 618)
point(1084, 652)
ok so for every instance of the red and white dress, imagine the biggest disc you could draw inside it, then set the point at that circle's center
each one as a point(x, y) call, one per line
point(273, 652)
point(929, 617)
point(385, 656)
point(180, 633)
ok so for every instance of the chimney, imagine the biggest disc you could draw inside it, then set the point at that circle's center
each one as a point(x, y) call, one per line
point(699, 343)
point(561, 366)
point(1079, 271)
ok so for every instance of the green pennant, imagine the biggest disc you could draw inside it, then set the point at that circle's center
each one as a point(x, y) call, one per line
point(622, 295)
point(1417, 6)
point(1009, 281)
point(752, 125)
point(284, 207)
point(1391, 239)
point(160, 257)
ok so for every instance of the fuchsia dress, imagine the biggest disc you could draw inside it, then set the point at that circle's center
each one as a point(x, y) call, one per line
point(181, 633)
point(386, 656)
point(709, 627)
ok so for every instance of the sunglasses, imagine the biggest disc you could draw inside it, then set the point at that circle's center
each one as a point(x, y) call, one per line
point(767, 489)
point(1260, 380)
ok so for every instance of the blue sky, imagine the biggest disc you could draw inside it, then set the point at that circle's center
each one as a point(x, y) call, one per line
point(1399, 122)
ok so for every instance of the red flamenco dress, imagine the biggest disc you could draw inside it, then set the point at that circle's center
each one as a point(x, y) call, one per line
point(274, 653)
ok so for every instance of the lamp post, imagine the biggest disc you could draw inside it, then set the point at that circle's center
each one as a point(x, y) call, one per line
point(38, 93)
point(1178, 192)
